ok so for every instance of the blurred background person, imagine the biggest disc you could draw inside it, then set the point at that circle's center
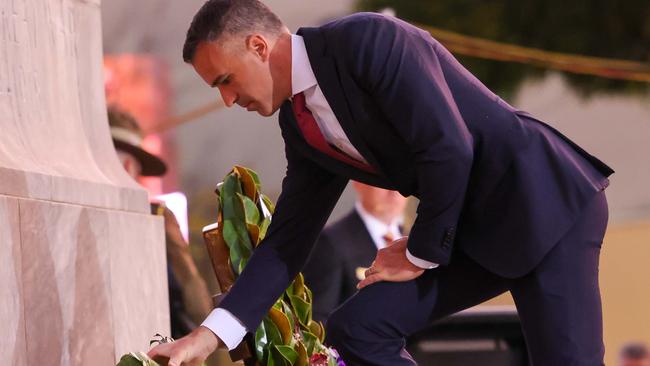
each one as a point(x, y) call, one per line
point(345, 249)
point(634, 354)
point(189, 300)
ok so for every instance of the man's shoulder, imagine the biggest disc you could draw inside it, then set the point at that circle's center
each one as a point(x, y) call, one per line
point(343, 226)
point(365, 30)
point(357, 21)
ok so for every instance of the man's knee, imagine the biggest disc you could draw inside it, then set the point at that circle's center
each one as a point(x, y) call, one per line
point(336, 326)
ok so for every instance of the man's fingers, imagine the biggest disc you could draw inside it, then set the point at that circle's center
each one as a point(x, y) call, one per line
point(160, 350)
point(175, 360)
point(371, 271)
point(369, 280)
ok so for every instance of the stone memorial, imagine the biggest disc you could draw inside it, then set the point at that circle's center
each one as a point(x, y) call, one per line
point(82, 261)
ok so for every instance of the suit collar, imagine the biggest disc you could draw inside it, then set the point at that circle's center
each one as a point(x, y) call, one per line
point(302, 75)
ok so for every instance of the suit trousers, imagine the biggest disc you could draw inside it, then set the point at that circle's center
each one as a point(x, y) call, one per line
point(558, 303)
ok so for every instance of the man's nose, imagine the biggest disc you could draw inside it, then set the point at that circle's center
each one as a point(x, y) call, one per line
point(229, 98)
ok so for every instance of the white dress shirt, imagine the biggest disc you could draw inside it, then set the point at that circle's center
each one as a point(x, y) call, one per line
point(377, 228)
point(220, 321)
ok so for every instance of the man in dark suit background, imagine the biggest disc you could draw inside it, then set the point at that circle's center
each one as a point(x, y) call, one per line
point(507, 203)
point(345, 249)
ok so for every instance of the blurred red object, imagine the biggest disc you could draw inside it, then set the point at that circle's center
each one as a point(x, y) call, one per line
point(139, 84)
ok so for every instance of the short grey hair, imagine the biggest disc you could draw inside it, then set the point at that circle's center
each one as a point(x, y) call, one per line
point(229, 17)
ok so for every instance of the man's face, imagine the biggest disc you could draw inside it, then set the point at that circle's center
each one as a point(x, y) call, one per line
point(380, 202)
point(242, 73)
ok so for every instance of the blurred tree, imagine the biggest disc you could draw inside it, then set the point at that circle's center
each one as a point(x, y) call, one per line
point(602, 28)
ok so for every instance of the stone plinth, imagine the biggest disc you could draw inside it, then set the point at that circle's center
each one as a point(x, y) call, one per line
point(82, 262)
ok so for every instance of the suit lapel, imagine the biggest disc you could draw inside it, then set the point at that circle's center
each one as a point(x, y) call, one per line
point(295, 138)
point(327, 75)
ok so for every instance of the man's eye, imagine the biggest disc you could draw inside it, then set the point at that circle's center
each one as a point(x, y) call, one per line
point(226, 81)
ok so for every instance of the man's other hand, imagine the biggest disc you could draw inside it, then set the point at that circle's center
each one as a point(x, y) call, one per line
point(190, 350)
point(391, 265)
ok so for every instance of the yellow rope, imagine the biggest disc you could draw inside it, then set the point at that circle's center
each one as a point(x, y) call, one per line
point(482, 48)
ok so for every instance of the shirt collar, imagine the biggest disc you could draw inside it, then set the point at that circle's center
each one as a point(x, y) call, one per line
point(377, 228)
point(302, 75)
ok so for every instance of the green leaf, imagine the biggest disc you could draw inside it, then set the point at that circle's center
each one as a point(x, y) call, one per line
point(301, 308)
point(251, 212)
point(274, 357)
point(284, 326)
point(250, 181)
point(136, 359)
point(286, 308)
point(264, 226)
point(268, 203)
point(310, 341)
point(261, 341)
point(288, 353)
point(317, 329)
point(299, 286)
point(303, 359)
point(272, 332)
point(230, 237)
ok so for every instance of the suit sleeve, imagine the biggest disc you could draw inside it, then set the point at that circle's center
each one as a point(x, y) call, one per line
point(324, 276)
point(399, 66)
point(309, 193)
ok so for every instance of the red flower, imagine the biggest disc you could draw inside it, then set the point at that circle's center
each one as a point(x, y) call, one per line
point(318, 359)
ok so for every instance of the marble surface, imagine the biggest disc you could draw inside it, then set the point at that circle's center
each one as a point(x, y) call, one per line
point(55, 143)
point(13, 349)
point(82, 261)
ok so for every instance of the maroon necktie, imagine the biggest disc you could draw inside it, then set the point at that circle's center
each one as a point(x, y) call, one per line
point(314, 137)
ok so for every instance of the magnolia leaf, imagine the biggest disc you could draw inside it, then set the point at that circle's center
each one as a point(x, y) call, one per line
point(230, 237)
point(264, 226)
point(274, 358)
point(251, 212)
point(283, 324)
point(317, 329)
point(254, 233)
point(286, 308)
point(268, 204)
point(299, 286)
point(288, 353)
point(250, 181)
point(230, 187)
point(302, 309)
point(261, 341)
point(272, 332)
point(136, 359)
point(242, 264)
point(303, 359)
point(310, 341)
point(309, 295)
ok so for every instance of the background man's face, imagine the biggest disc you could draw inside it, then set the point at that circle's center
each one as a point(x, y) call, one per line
point(379, 201)
point(241, 73)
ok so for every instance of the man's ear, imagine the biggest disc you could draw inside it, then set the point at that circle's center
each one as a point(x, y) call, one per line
point(258, 44)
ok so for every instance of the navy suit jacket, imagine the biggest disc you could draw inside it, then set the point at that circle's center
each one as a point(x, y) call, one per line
point(492, 181)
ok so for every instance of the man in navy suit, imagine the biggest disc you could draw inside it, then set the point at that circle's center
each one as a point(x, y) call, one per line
point(345, 249)
point(507, 203)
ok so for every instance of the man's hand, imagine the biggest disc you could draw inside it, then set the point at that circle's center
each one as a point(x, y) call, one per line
point(190, 350)
point(391, 265)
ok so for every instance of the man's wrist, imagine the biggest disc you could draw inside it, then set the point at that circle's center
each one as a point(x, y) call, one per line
point(208, 338)
point(418, 262)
